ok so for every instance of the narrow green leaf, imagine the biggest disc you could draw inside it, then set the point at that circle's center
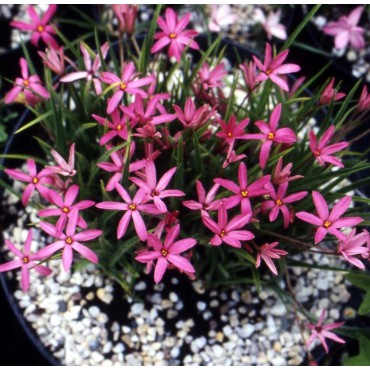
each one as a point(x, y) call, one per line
point(35, 121)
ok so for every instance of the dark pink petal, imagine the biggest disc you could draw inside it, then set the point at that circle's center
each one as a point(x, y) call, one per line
point(160, 204)
point(27, 243)
point(160, 44)
point(320, 234)
point(115, 206)
point(279, 59)
point(85, 252)
point(181, 263)
point(228, 184)
point(275, 117)
point(12, 94)
point(49, 250)
point(212, 225)
point(146, 257)
point(346, 222)
point(166, 178)
point(25, 278)
point(67, 257)
point(123, 225)
point(339, 208)
point(114, 101)
point(43, 270)
point(182, 245)
point(139, 225)
point(295, 197)
point(241, 235)
point(27, 193)
point(70, 77)
point(334, 148)
point(287, 68)
point(310, 218)
point(11, 265)
point(216, 240)
point(321, 206)
point(160, 269)
point(87, 235)
point(264, 153)
point(13, 248)
point(279, 81)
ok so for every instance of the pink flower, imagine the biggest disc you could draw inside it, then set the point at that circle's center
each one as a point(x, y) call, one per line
point(35, 180)
point(126, 15)
point(267, 252)
point(271, 23)
point(26, 261)
point(221, 17)
point(133, 208)
point(279, 201)
point(173, 34)
point(322, 151)
point(346, 30)
point(206, 202)
point(69, 241)
point(54, 60)
point(243, 192)
point(329, 94)
point(168, 253)
point(232, 157)
point(64, 168)
point(232, 130)
point(211, 78)
point(249, 74)
point(329, 223)
point(66, 206)
point(324, 331)
point(364, 102)
point(270, 134)
point(29, 85)
point(228, 232)
point(39, 27)
point(273, 67)
point(124, 84)
point(155, 191)
point(282, 175)
point(352, 245)
point(192, 117)
point(92, 69)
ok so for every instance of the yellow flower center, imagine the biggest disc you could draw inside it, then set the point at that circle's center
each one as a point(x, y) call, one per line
point(279, 202)
point(40, 28)
point(69, 240)
point(26, 83)
point(270, 136)
point(244, 193)
point(26, 259)
point(172, 35)
point(35, 180)
point(268, 71)
point(164, 252)
point(327, 223)
point(229, 134)
point(65, 209)
point(222, 233)
point(119, 128)
point(132, 207)
point(123, 86)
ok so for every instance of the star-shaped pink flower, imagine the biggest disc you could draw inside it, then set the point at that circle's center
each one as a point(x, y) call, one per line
point(267, 252)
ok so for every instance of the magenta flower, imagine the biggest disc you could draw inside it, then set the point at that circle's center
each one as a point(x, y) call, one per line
point(249, 74)
point(211, 78)
point(329, 94)
point(66, 206)
point(69, 241)
point(155, 191)
point(173, 34)
point(329, 223)
point(206, 201)
point(267, 252)
point(39, 27)
point(232, 130)
point(191, 117)
point(118, 126)
point(273, 67)
point(92, 69)
point(232, 157)
point(64, 168)
point(322, 151)
point(282, 175)
point(346, 30)
point(352, 246)
point(324, 331)
point(133, 208)
point(168, 253)
point(228, 232)
point(364, 102)
point(243, 192)
point(124, 84)
point(26, 261)
point(35, 180)
point(270, 134)
point(30, 86)
point(279, 201)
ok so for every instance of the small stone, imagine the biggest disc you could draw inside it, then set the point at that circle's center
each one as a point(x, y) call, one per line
point(277, 347)
point(278, 310)
point(55, 320)
point(107, 347)
point(214, 303)
point(218, 351)
point(219, 336)
point(175, 352)
point(171, 314)
point(119, 348)
point(104, 296)
point(90, 296)
point(137, 309)
point(166, 304)
point(94, 311)
point(278, 361)
point(295, 361)
point(322, 284)
point(140, 286)
point(173, 297)
point(227, 330)
point(96, 358)
point(207, 315)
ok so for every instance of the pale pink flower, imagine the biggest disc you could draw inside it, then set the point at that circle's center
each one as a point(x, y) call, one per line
point(273, 67)
point(329, 222)
point(156, 191)
point(133, 208)
point(347, 31)
point(35, 180)
point(221, 17)
point(64, 168)
point(323, 331)
point(127, 83)
point(271, 23)
point(278, 203)
point(126, 14)
point(174, 35)
point(92, 68)
point(39, 27)
point(69, 241)
point(168, 253)
point(230, 232)
point(54, 60)
point(329, 94)
point(249, 74)
point(271, 134)
point(267, 252)
point(211, 78)
point(352, 246)
point(322, 152)
point(244, 191)
point(26, 261)
point(30, 86)
point(364, 102)
point(282, 175)
point(206, 201)
point(66, 206)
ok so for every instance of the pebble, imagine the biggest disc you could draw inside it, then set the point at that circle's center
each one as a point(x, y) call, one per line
point(173, 297)
point(140, 286)
point(118, 348)
point(278, 310)
point(218, 351)
point(137, 308)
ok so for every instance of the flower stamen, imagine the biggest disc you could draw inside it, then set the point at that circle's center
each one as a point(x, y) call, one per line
point(164, 252)
point(327, 224)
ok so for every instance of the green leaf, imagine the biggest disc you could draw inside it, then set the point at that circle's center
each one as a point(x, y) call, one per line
point(362, 281)
point(363, 358)
point(34, 122)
